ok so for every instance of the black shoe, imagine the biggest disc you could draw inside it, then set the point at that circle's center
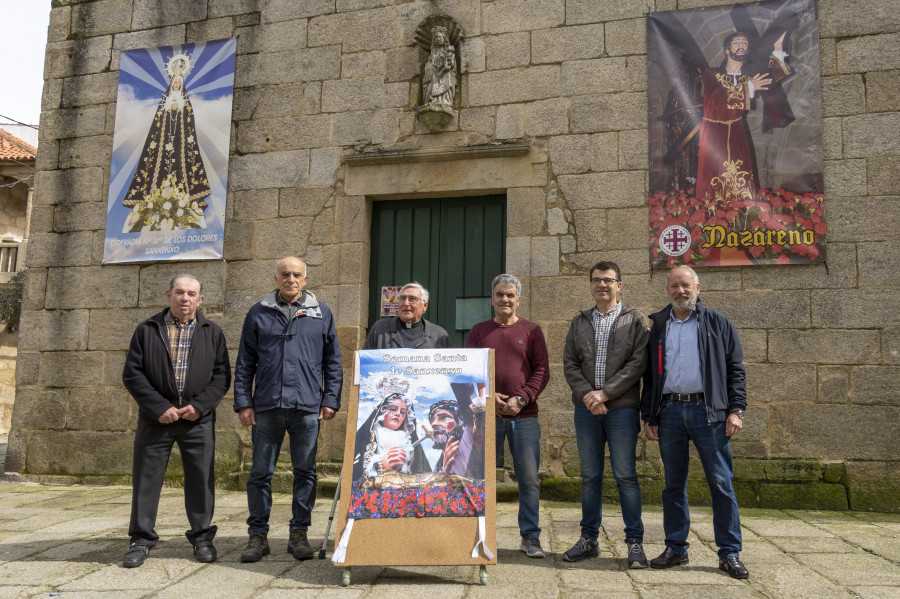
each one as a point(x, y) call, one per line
point(298, 545)
point(135, 556)
point(669, 558)
point(206, 553)
point(257, 547)
point(636, 557)
point(732, 564)
point(583, 549)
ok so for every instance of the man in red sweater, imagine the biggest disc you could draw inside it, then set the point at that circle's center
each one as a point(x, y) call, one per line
point(522, 370)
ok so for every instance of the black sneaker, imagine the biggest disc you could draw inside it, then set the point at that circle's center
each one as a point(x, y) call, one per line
point(298, 545)
point(583, 549)
point(135, 556)
point(532, 548)
point(257, 547)
point(636, 557)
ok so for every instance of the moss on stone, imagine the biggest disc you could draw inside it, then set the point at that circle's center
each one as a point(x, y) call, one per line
point(571, 465)
point(228, 451)
point(508, 492)
point(651, 490)
point(793, 470)
point(561, 489)
point(749, 469)
point(874, 486)
point(833, 472)
point(805, 496)
point(746, 493)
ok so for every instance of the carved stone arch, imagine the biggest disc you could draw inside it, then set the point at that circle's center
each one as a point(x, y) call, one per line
point(423, 32)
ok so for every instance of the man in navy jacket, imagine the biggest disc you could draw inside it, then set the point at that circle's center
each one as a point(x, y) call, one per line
point(287, 377)
point(695, 389)
point(177, 371)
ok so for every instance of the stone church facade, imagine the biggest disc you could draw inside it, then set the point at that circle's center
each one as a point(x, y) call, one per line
point(550, 111)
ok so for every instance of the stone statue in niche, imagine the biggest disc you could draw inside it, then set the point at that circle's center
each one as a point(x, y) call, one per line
point(439, 74)
point(439, 82)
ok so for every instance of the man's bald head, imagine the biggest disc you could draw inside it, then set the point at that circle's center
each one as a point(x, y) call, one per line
point(293, 261)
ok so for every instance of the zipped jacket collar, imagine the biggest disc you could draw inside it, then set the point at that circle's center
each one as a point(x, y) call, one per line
point(309, 304)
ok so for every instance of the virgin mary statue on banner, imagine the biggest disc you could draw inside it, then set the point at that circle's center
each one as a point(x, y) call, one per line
point(169, 187)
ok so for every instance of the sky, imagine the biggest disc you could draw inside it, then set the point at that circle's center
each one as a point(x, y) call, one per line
point(22, 48)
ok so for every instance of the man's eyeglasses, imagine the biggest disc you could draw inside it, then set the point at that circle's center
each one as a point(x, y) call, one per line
point(408, 298)
point(604, 280)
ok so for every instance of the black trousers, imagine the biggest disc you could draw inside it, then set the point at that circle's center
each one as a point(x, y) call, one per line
point(152, 449)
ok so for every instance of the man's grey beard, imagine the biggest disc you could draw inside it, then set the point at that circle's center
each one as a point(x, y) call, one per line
point(440, 437)
point(685, 303)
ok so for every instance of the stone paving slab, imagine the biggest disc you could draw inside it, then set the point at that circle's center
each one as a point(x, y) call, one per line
point(875, 592)
point(69, 541)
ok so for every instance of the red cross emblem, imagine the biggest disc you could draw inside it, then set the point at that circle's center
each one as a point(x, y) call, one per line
point(675, 240)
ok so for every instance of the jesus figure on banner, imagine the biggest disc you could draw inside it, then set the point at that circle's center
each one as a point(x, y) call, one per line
point(726, 169)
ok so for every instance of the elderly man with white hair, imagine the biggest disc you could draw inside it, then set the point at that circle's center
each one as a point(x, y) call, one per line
point(408, 329)
point(695, 390)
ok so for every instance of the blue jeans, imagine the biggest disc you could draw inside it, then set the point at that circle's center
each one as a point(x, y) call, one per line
point(680, 422)
point(619, 429)
point(268, 434)
point(524, 436)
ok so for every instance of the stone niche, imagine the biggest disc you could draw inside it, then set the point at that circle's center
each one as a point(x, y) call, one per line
point(439, 37)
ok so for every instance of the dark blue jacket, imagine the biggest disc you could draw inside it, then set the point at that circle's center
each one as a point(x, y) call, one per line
point(721, 367)
point(295, 364)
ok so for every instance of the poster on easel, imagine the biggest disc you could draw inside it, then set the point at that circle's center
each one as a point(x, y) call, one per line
point(418, 486)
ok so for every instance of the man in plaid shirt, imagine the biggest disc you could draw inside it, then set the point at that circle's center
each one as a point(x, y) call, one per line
point(177, 370)
point(604, 360)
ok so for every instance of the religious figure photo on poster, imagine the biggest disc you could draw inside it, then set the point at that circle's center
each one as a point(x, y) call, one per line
point(419, 446)
point(169, 188)
point(735, 135)
point(168, 173)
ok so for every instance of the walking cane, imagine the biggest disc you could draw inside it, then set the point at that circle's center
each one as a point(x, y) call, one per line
point(337, 495)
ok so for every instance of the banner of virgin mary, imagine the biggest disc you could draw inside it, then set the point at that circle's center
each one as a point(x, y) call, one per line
point(169, 167)
point(735, 135)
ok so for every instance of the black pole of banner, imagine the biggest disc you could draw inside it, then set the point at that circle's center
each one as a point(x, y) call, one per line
point(337, 495)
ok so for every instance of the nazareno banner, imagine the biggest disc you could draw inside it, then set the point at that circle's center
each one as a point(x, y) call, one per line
point(169, 167)
point(735, 151)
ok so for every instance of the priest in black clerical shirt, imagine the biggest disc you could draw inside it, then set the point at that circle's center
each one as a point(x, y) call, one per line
point(408, 329)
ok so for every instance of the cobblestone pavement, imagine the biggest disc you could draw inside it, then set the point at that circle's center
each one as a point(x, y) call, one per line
point(68, 542)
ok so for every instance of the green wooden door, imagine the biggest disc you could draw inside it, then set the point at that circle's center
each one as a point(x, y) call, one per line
point(452, 246)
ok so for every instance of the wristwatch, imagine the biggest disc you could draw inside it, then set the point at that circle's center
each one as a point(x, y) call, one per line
point(740, 413)
point(521, 401)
